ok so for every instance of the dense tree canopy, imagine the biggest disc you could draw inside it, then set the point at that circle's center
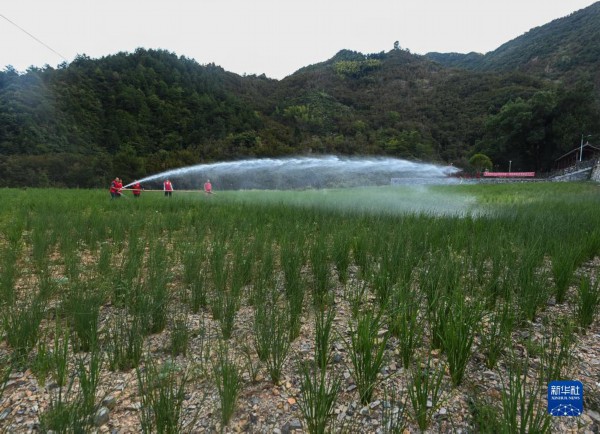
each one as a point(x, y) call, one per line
point(133, 114)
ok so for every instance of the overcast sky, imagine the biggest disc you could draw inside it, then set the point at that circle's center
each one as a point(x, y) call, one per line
point(275, 37)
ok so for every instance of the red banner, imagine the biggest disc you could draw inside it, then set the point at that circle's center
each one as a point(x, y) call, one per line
point(509, 174)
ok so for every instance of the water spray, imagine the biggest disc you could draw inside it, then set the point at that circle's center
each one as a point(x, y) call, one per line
point(305, 173)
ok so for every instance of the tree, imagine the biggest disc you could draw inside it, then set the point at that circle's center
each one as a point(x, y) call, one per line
point(480, 162)
point(523, 129)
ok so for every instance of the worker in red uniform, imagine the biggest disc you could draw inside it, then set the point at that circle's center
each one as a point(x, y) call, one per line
point(168, 188)
point(115, 188)
point(208, 187)
point(137, 189)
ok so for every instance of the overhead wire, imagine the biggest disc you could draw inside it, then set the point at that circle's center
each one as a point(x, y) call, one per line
point(35, 38)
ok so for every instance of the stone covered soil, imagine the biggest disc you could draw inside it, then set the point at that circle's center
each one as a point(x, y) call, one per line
point(265, 407)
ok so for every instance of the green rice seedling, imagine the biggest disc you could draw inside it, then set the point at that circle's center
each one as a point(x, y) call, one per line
point(69, 245)
point(41, 365)
point(340, 254)
point(319, 263)
point(440, 277)
point(193, 275)
point(60, 356)
point(531, 285)
point(556, 351)
point(323, 328)
point(280, 343)
point(439, 307)
point(404, 323)
point(228, 381)
point(251, 366)
point(318, 396)
point(180, 335)
point(271, 335)
point(158, 291)
point(362, 258)
point(162, 390)
point(383, 286)
point(124, 343)
point(393, 414)
point(88, 371)
point(198, 291)
point(22, 327)
point(104, 262)
point(225, 302)
point(495, 338)
point(72, 263)
point(63, 416)
point(200, 342)
point(461, 325)
point(140, 307)
point(219, 266)
point(41, 243)
point(477, 255)
point(128, 276)
point(356, 294)
point(295, 302)
point(395, 253)
point(223, 306)
point(425, 390)
point(366, 350)
point(408, 261)
point(485, 416)
point(9, 273)
point(522, 409)
point(264, 277)
point(497, 283)
point(13, 230)
point(291, 259)
point(588, 302)
point(82, 308)
point(262, 329)
point(50, 286)
point(564, 263)
point(242, 267)
point(65, 412)
point(438, 280)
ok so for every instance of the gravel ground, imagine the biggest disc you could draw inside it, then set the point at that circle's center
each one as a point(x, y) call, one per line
point(265, 407)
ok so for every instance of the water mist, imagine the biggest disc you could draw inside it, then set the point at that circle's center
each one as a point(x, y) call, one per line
point(304, 173)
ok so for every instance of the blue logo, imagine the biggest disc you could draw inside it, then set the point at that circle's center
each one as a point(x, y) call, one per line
point(565, 398)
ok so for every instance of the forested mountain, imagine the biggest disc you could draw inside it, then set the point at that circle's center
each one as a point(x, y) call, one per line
point(133, 114)
point(568, 46)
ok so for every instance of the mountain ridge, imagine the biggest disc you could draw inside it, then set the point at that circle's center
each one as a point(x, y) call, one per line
point(151, 110)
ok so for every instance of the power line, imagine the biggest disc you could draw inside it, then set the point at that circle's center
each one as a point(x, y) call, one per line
point(38, 40)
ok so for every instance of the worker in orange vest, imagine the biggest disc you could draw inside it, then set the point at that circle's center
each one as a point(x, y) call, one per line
point(137, 189)
point(168, 187)
point(208, 187)
point(115, 188)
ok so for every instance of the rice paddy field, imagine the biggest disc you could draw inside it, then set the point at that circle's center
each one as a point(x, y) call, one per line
point(381, 309)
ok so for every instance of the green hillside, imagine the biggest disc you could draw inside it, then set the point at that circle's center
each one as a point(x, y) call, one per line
point(567, 46)
point(134, 114)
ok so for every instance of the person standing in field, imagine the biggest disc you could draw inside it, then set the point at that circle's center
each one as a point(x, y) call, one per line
point(137, 189)
point(115, 188)
point(168, 187)
point(208, 187)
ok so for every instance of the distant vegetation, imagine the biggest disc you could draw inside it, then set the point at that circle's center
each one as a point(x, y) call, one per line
point(133, 114)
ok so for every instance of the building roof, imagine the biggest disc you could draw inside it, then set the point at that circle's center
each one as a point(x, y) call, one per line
point(577, 149)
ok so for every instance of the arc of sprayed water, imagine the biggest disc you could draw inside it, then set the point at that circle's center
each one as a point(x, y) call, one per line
point(328, 167)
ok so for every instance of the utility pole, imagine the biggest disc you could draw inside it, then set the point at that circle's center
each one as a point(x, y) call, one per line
point(581, 147)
